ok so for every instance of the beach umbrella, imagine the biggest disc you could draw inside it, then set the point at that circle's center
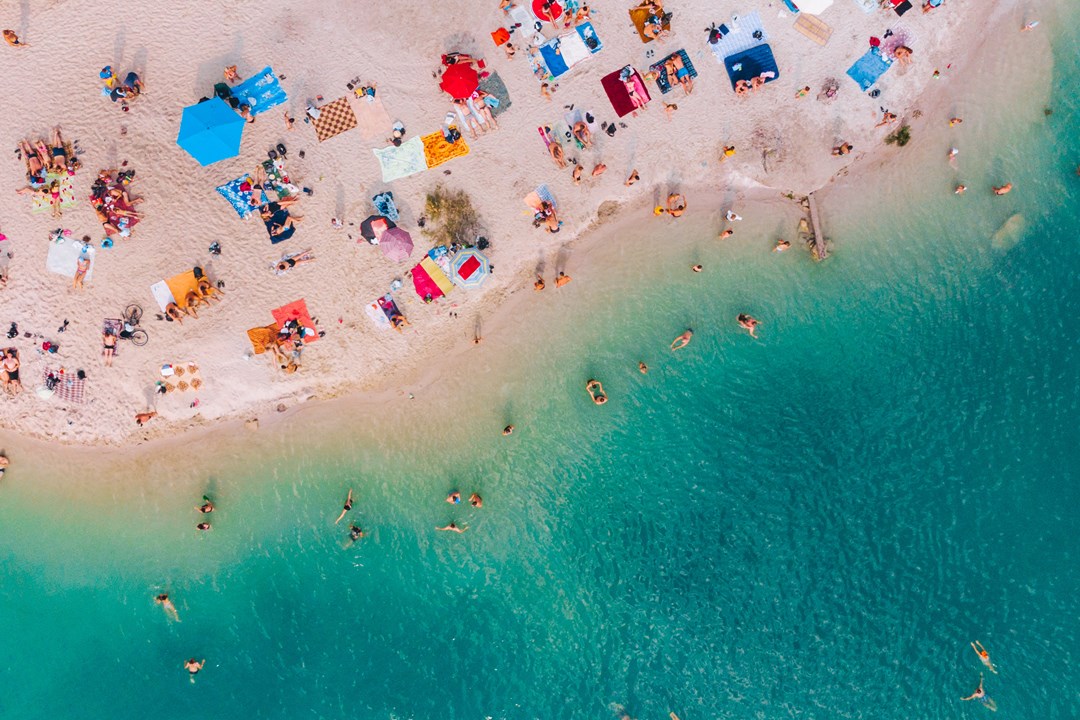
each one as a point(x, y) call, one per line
point(460, 81)
point(814, 7)
point(370, 228)
point(396, 244)
point(210, 131)
point(469, 268)
point(553, 13)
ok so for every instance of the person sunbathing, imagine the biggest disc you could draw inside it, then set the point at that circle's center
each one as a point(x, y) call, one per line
point(34, 161)
point(208, 291)
point(742, 87)
point(757, 82)
point(288, 262)
point(9, 371)
point(484, 109)
point(54, 199)
point(678, 72)
point(582, 134)
point(630, 83)
point(596, 392)
point(172, 312)
point(471, 123)
point(57, 153)
point(399, 321)
point(557, 154)
point(192, 300)
point(903, 54)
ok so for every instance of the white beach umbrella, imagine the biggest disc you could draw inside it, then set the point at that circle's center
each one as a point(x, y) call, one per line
point(814, 7)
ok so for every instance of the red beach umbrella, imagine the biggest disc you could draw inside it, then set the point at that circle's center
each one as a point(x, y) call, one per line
point(547, 16)
point(460, 81)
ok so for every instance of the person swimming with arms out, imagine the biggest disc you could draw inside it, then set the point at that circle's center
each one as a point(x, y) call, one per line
point(452, 527)
point(348, 507)
point(984, 656)
point(683, 340)
point(207, 506)
point(193, 667)
point(981, 696)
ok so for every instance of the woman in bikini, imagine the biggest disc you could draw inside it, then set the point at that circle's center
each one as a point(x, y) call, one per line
point(288, 262)
point(172, 312)
point(348, 507)
point(191, 301)
point(54, 199)
point(208, 291)
point(484, 109)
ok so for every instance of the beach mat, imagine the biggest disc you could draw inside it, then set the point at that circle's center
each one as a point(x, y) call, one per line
point(750, 64)
point(638, 16)
point(814, 28)
point(867, 69)
point(742, 34)
point(372, 119)
point(377, 315)
point(180, 285)
point(43, 203)
point(437, 150)
point(262, 338)
point(260, 92)
point(70, 389)
point(402, 161)
point(334, 118)
point(617, 94)
point(385, 205)
point(240, 199)
point(162, 295)
point(63, 258)
point(296, 310)
point(662, 80)
point(541, 193)
point(493, 85)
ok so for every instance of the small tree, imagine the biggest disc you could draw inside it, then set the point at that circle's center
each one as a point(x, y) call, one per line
point(453, 217)
point(900, 137)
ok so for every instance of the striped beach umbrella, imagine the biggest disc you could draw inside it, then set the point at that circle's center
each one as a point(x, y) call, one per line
point(470, 268)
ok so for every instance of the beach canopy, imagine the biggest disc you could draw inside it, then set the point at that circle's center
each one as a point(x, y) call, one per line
point(374, 226)
point(396, 244)
point(470, 268)
point(814, 7)
point(460, 81)
point(210, 131)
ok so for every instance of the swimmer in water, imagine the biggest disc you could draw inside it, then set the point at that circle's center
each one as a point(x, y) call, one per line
point(781, 245)
point(476, 501)
point(981, 696)
point(683, 340)
point(454, 498)
point(203, 526)
point(452, 527)
point(193, 667)
point(697, 268)
point(167, 605)
point(984, 656)
point(643, 368)
point(598, 396)
point(207, 506)
point(960, 189)
point(355, 533)
point(1003, 189)
point(749, 323)
point(508, 430)
point(348, 507)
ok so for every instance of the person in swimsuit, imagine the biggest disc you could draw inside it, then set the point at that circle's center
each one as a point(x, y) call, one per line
point(508, 430)
point(683, 340)
point(207, 506)
point(596, 392)
point(82, 265)
point(643, 368)
point(454, 498)
point(452, 527)
point(539, 284)
point(9, 371)
point(288, 262)
point(193, 667)
point(678, 72)
point(108, 347)
point(167, 605)
point(204, 526)
point(676, 205)
point(634, 177)
point(582, 134)
point(1003, 189)
point(981, 696)
point(781, 245)
point(355, 533)
point(984, 656)
point(172, 312)
point(748, 323)
point(348, 507)
point(476, 501)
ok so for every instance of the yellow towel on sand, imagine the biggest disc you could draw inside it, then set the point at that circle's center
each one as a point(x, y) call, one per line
point(437, 150)
point(180, 285)
point(436, 274)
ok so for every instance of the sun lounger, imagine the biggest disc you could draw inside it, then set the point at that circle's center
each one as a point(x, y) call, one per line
point(437, 150)
point(296, 310)
point(63, 258)
point(261, 92)
point(638, 16)
point(403, 160)
point(334, 118)
point(869, 68)
point(743, 33)
point(814, 28)
point(662, 80)
point(616, 92)
point(751, 64)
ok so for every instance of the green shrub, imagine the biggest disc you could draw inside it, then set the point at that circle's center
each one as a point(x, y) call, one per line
point(901, 137)
point(452, 217)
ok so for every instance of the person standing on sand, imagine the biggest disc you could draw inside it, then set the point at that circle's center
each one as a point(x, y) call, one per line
point(167, 605)
point(561, 279)
point(634, 177)
point(539, 284)
point(348, 507)
point(683, 340)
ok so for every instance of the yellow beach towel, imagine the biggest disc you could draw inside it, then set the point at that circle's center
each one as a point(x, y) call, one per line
point(437, 150)
point(436, 274)
point(180, 285)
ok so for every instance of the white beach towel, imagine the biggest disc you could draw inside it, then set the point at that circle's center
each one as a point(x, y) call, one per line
point(161, 292)
point(740, 36)
point(377, 316)
point(63, 258)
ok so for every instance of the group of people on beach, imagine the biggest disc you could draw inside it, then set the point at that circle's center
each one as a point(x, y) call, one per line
point(44, 159)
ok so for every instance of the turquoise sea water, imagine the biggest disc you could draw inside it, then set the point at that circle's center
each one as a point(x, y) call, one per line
point(811, 525)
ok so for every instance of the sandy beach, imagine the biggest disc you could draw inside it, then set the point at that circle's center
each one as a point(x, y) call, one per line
point(782, 144)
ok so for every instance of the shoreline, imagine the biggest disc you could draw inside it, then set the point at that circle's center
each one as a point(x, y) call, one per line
point(400, 363)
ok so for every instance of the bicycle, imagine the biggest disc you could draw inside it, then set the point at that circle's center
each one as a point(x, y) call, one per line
point(131, 330)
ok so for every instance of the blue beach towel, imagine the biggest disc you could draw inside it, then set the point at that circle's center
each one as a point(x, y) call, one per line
point(867, 69)
point(240, 199)
point(261, 91)
point(750, 64)
point(384, 205)
point(553, 57)
point(662, 79)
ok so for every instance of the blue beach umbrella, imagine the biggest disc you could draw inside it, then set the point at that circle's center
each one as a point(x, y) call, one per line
point(210, 131)
point(470, 268)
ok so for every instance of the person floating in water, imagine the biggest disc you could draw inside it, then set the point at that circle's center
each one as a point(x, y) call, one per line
point(683, 340)
point(348, 507)
point(167, 605)
point(981, 696)
point(203, 526)
point(207, 506)
point(454, 498)
point(748, 323)
point(193, 667)
point(596, 392)
point(452, 527)
point(643, 368)
point(476, 501)
point(984, 656)
point(355, 533)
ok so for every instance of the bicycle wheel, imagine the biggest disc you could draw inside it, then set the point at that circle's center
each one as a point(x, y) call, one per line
point(139, 337)
point(133, 314)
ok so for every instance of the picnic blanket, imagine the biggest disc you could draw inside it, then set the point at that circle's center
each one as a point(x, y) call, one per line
point(334, 118)
point(437, 150)
point(493, 85)
point(372, 118)
point(739, 35)
point(263, 338)
point(296, 310)
point(751, 64)
point(867, 69)
point(638, 16)
point(260, 92)
point(63, 258)
point(388, 307)
point(68, 387)
point(814, 28)
point(541, 193)
point(377, 314)
point(277, 177)
point(565, 51)
point(402, 161)
point(385, 205)
point(239, 198)
point(180, 285)
point(42, 203)
point(616, 91)
point(662, 80)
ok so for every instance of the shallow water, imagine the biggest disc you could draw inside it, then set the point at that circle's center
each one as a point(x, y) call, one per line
point(814, 524)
